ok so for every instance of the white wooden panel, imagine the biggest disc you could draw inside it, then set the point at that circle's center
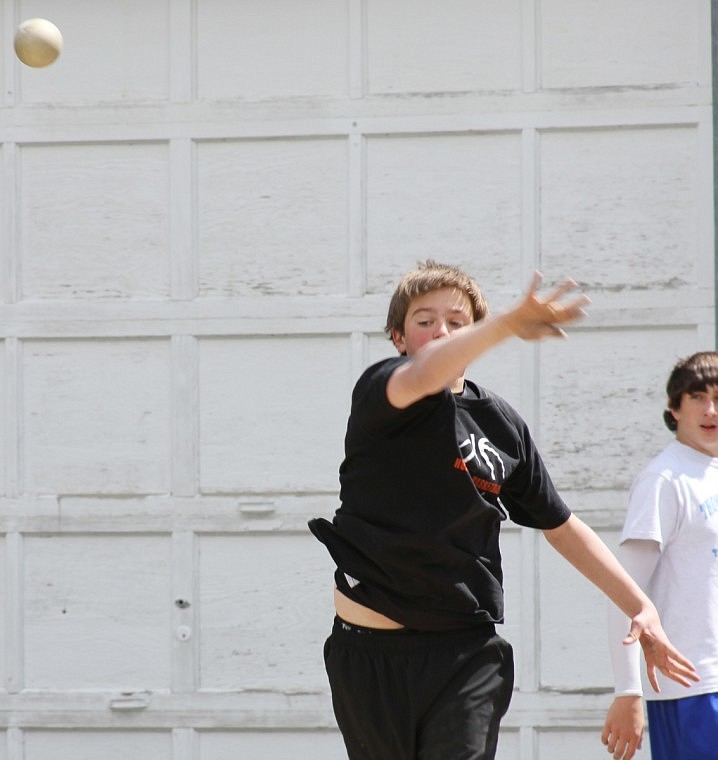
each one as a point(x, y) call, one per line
point(569, 744)
point(509, 745)
point(7, 617)
point(92, 745)
point(94, 221)
point(272, 413)
point(266, 612)
point(7, 204)
point(4, 460)
point(97, 612)
point(271, 745)
point(634, 222)
point(96, 416)
point(282, 180)
point(269, 48)
point(273, 216)
point(453, 198)
point(112, 52)
point(380, 347)
point(500, 371)
point(602, 395)
point(572, 626)
point(458, 45)
point(611, 42)
point(515, 594)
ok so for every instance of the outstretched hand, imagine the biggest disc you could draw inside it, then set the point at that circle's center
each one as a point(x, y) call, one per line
point(658, 651)
point(535, 318)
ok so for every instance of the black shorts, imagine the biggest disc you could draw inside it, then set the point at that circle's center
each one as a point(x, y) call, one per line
point(408, 695)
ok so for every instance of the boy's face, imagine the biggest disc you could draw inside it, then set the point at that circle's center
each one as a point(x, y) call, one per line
point(697, 419)
point(431, 316)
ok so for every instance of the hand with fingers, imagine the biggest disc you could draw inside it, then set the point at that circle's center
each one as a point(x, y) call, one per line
point(535, 318)
point(658, 651)
point(623, 729)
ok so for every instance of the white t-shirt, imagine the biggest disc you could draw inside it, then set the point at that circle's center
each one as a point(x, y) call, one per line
point(674, 502)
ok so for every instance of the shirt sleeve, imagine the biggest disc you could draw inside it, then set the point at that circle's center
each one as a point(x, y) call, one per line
point(371, 410)
point(531, 498)
point(639, 558)
point(653, 509)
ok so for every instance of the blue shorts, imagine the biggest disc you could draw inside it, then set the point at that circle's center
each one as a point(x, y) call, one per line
point(685, 729)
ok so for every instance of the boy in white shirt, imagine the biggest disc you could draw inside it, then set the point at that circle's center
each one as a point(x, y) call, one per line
point(669, 545)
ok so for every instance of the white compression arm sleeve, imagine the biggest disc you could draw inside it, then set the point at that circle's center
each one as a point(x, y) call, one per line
point(639, 557)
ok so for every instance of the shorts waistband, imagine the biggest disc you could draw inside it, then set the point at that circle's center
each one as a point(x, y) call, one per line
point(403, 638)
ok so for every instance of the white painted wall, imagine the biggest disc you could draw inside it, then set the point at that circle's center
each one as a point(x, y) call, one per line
point(204, 206)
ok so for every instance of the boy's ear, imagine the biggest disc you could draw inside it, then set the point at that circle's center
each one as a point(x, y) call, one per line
point(398, 340)
point(675, 413)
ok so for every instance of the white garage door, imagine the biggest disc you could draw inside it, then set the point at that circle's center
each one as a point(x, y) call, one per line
point(205, 204)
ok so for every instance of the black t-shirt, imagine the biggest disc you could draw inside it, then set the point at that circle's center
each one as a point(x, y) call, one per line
point(423, 493)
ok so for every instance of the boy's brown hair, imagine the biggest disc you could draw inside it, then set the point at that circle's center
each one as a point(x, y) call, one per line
point(694, 373)
point(428, 276)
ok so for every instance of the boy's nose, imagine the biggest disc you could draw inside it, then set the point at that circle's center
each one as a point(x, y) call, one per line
point(441, 329)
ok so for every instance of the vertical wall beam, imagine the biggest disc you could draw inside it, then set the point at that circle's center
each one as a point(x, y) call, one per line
point(9, 228)
point(185, 415)
point(13, 411)
point(357, 49)
point(185, 744)
point(185, 620)
point(14, 634)
point(182, 51)
point(714, 68)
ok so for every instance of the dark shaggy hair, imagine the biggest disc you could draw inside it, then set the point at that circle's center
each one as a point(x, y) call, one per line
point(694, 373)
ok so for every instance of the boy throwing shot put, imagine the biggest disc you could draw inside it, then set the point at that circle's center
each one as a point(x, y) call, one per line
point(433, 465)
